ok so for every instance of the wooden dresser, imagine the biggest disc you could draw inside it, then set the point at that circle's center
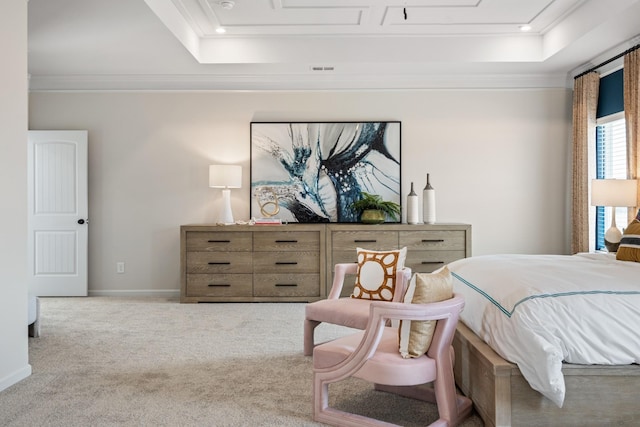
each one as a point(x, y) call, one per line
point(295, 262)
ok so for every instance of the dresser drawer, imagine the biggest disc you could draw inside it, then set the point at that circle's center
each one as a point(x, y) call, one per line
point(374, 240)
point(428, 261)
point(286, 241)
point(219, 262)
point(433, 240)
point(219, 285)
point(341, 257)
point(286, 262)
point(219, 241)
point(286, 285)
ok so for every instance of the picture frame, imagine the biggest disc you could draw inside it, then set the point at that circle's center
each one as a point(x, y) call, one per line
point(311, 172)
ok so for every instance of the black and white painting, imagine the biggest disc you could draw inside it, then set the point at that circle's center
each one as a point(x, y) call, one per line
point(312, 172)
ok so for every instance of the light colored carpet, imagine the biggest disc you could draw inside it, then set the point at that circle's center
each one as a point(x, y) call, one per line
point(104, 361)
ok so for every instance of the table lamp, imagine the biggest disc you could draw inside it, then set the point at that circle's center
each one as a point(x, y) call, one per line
point(225, 177)
point(614, 193)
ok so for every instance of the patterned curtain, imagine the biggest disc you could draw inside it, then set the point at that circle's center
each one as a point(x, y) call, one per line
point(632, 117)
point(585, 104)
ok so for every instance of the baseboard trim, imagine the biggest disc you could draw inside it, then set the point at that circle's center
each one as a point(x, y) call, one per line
point(167, 293)
point(15, 377)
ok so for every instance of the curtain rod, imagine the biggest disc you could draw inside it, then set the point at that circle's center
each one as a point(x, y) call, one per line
point(602, 64)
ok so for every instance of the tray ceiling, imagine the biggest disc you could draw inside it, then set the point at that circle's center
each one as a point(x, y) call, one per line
point(307, 44)
point(371, 17)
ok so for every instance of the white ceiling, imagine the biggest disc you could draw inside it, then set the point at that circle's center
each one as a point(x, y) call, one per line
point(322, 44)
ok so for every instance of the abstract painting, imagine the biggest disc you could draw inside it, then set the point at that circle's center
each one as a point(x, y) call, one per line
point(311, 172)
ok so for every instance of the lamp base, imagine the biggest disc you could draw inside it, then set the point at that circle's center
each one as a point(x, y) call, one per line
point(226, 216)
point(612, 238)
point(611, 246)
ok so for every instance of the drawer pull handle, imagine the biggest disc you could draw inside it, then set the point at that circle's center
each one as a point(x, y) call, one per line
point(364, 241)
point(218, 241)
point(432, 240)
point(219, 263)
point(286, 263)
point(432, 262)
point(286, 284)
point(219, 285)
point(286, 241)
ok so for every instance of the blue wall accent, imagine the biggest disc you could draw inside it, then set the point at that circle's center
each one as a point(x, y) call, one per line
point(611, 94)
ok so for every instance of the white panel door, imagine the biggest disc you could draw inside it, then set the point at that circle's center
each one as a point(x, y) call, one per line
point(58, 210)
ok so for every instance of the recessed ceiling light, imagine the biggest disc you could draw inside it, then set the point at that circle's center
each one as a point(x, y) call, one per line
point(220, 30)
point(227, 4)
point(524, 28)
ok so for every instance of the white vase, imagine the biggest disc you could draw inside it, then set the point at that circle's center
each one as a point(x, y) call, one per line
point(412, 207)
point(429, 203)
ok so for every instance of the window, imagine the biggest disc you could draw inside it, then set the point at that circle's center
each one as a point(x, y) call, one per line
point(611, 162)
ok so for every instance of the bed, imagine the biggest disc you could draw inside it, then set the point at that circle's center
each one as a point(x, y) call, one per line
point(549, 339)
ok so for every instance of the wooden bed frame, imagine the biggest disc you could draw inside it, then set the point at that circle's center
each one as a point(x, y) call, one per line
point(596, 395)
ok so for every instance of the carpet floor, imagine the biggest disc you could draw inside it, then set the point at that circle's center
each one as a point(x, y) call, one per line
point(103, 361)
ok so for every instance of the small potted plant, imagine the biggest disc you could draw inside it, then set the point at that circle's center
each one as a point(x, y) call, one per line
point(374, 210)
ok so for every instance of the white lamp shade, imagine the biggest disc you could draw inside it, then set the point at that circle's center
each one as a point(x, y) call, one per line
point(225, 176)
point(614, 192)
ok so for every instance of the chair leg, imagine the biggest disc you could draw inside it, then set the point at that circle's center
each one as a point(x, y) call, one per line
point(455, 407)
point(309, 328)
point(451, 406)
point(320, 396)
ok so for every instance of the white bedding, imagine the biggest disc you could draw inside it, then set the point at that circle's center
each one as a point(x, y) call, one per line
point(540, 310)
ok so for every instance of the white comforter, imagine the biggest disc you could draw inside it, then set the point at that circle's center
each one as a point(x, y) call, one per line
point(540, 310)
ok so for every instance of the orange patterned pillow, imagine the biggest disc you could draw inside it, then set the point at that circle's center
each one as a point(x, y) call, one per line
point(629, 249)
point(376, 276)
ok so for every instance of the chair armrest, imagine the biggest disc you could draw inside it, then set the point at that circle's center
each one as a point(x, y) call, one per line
point(340, 271)
point(409, 311)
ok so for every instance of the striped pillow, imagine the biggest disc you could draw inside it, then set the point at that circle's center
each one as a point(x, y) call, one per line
point(629, 249)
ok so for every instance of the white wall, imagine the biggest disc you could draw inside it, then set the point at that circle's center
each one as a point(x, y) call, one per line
point(14, 362)
point(497, 158)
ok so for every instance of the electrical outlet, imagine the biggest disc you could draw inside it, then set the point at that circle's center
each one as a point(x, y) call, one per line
point(120, 267)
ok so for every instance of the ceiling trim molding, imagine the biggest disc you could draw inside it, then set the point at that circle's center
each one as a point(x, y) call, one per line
point(293, 82)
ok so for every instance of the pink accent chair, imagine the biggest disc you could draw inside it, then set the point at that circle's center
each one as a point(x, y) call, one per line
point(373, 355)
point(349, 312)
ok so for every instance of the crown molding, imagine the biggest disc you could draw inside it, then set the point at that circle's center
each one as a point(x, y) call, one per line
point(293, 82)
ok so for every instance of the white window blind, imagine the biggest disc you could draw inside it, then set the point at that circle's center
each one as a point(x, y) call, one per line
point(611, 162)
